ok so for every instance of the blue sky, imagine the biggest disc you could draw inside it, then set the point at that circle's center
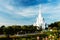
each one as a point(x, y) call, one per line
point(25, 12)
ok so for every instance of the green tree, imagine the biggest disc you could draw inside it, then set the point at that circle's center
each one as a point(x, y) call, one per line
point(2, 29)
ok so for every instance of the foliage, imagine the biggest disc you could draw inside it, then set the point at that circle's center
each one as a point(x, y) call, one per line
point(55, 24)
point(14, 29)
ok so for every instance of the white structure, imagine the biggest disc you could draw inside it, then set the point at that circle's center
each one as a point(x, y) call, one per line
point(40, 21)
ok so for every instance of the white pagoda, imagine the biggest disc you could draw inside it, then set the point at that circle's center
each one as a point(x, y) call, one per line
point(40, 23)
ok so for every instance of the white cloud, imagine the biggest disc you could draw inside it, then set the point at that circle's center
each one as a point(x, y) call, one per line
point(53, 12)
point(5, 7)
point(28, 12)
point(15, 13)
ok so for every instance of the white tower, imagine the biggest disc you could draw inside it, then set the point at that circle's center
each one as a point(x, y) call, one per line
point(40, 21)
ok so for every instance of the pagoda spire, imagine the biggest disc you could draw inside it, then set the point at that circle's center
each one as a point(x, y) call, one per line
point(40, 20)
